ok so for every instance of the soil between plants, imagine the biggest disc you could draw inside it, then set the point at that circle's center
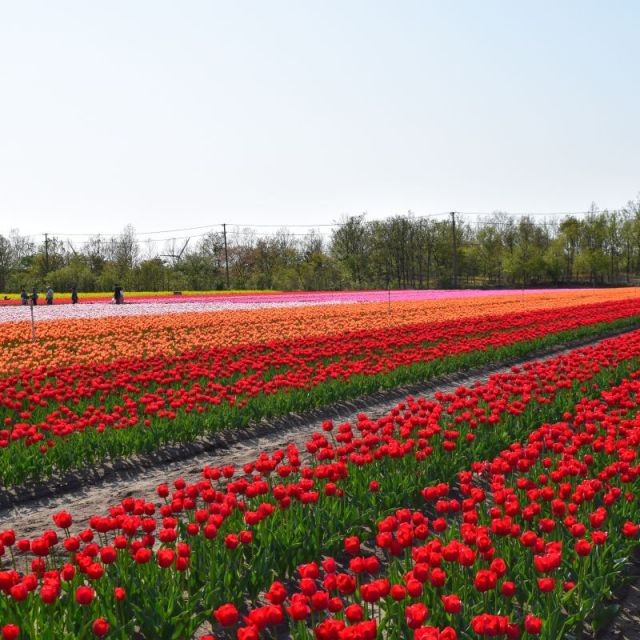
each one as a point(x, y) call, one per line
point(625, 624)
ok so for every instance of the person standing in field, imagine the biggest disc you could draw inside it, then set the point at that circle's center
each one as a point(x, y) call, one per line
point(34, 296)
point(49, 296)
point(74, 295)
point(24, 297)
point(117, 294)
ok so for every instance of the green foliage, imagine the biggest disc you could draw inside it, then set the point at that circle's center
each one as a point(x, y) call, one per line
point(601, 248)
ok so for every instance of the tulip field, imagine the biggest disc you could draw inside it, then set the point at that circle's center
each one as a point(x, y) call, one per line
point(94, 389)
point(507, 508)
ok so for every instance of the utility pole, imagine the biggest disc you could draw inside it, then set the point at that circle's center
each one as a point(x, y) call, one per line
point(46, 252)
point(33, 322)
point(455, 249)
point(226, 255)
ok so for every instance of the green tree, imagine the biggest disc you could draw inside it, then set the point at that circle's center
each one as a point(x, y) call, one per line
point(350, 246)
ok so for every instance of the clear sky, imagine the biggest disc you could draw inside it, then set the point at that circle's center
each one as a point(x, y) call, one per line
point(170, 114)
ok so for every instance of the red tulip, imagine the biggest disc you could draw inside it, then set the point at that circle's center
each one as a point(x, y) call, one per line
point(100, 627)
point(227, 615)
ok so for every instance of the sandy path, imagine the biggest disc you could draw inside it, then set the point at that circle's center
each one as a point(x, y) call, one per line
point(626, 624)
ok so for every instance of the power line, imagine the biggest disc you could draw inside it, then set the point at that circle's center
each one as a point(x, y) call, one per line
point(210, 226)
point(143, 236)
point(237, 224)
point(489, 223)
point(184, 229)
point(525, 213)
point(245, 233)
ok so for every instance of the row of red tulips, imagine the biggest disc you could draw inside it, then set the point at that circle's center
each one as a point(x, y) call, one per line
point(62, 418)
point(158, 571)
point(530, 544)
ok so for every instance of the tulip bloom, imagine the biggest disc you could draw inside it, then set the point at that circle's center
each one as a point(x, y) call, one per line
point(227, 615)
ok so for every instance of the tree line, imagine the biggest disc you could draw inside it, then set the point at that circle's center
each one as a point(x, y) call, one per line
point(403, 251)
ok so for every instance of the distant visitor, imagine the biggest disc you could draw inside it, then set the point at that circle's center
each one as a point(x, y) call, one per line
point(49, 296)
point(74, 295)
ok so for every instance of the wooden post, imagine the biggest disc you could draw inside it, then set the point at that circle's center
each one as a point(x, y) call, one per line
point(226, 255)
point(33, 323)
point(455, 249)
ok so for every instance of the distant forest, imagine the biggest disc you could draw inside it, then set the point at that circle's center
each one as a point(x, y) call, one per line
point(600, 248)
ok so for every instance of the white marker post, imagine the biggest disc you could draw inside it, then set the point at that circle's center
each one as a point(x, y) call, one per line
point(33, 323)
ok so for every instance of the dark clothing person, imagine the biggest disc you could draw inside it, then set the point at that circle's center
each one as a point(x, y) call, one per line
point(74, 296)
point(24, 297)
point(117, 294)
point(34, 296)
point(49, 296)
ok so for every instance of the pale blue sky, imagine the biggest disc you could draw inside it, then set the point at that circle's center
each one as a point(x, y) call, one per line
point(170, 114)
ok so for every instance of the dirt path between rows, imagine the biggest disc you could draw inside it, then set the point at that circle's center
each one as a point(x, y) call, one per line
point(626, 622)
